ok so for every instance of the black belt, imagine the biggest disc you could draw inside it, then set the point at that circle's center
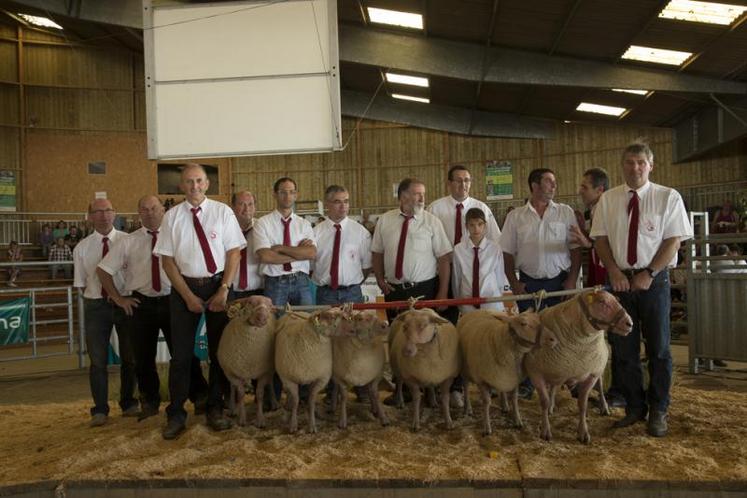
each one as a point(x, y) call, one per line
point(143, 297)
point(341, 287)
point(410, 285)
point(288, 276)
point(201, 281)
point(632, 272)
point(525, 276)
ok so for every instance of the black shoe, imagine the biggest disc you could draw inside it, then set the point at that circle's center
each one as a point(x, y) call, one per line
point(526, 392)
point(218, 422)
point(173, 429)
point(147, 411)
point(616, 401)
point(630, 418)
point(201, 404)
point(657, 424)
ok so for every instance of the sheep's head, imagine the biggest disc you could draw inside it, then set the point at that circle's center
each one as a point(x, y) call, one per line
point(419, 327)
point(527, 330)
point(332, 322)
point(256, 310)
point(367, 325)
point(604, 312)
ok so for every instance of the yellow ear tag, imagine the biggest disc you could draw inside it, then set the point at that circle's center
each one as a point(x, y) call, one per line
point(589, 298)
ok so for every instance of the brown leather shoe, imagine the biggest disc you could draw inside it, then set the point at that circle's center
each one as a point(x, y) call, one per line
point(629, 419)
point(657, 424)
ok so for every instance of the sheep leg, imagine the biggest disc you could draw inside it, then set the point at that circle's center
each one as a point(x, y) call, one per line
point(314, 389)
point(604, 408)
point(504, 403)
point(583, 402)
point(486, 400)
point(399, 395)
point(518, 423)
point(232, 398)
point(376, 407)
point(467, 403)
point(274, 401)
point(553, 393)
point(431, 399)
point(341, 390)
point(416, 397)
point(445, 405)
point(335, 393)
point(239, 388)
point(544, 396)
point(259, 398)
point(291, 390)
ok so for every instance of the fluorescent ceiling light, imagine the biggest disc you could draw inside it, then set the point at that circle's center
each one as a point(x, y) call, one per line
point(658, 55)
point(600, 109)
point(395, 18)
point(411, 97)
point(44, 22)
point(407, 80)
point(628, 90)
point(705, 12)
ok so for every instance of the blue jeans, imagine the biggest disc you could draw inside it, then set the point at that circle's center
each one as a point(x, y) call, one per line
point(100, 317)
point(534, 285)
point(649, 310)
point(349, 294)
point(289, 289)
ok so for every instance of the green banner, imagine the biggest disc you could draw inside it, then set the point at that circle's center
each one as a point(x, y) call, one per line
point(499, 181)
point(14, 321)
point(7, 190)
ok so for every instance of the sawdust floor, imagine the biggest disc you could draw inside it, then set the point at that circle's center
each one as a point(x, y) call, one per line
point(51, 440)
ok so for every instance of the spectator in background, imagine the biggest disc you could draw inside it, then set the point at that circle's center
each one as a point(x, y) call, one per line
point(73, 237)
point(726, 219)
point(14, 254)
point(60, 252)
point(46, 239)
point(366, 222)
point(60, 230)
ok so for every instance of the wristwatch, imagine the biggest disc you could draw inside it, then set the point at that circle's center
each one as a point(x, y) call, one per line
point(652, 272)
point(225, 285)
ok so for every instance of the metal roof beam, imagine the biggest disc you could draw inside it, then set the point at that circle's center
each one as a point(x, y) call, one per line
point(451, 119)
point(464, 61)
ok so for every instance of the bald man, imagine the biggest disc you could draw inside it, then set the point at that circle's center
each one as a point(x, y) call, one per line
point(101, 314)
point(147, 303)
point(199, 244)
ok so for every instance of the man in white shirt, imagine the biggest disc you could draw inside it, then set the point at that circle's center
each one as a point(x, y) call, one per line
point(147, 301)
point(411, 255)
point(637, 228)
point(199, 244)
point(452, 211)
point(343, 256)
point(285, 245)
point(101, 315)
point(249, 281)
point(535, 241)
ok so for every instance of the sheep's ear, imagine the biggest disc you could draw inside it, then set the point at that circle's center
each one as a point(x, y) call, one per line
point(502, 317)
point(436, 318)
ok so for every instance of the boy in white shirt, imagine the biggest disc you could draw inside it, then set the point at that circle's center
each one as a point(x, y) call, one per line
point(481, 257)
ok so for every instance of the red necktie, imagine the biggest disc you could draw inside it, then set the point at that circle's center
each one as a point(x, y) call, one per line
point(334, 269)
point(476, 275)
point(458, 224)
point(155, 270)
point(104, 252)
point(633, 212)
point(401, 248)
point(243, 278)
point(287, 240)
point(209, 261)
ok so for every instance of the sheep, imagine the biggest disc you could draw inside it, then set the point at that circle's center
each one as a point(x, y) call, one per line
point(493, 345)
point(425, 352)
point(358, 360)
point(246, 351)
point(303, 355)
point(581, 353)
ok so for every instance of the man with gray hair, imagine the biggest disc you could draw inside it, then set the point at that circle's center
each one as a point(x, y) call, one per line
point(248, 281)
point(101, 314)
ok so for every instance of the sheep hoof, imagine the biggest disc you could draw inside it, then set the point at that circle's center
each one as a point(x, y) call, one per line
point(312, 429)
point(604, 413)
point(384, 421)
point(546, 435)
point(487, 432)
point(342, 426)
point(449, 425)
point(584, 438)
point(415, 428)
point(518, 424)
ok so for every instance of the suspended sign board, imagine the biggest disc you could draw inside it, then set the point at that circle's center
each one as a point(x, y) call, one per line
point(241, 78)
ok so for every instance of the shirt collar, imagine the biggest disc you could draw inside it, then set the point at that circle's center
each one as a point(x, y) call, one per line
point(189, 206)
point(480, 245)
point(109, 235)
point(454, 202)
point(332, 224)
point(550, 207)
point(640, 191)
point(279, 216)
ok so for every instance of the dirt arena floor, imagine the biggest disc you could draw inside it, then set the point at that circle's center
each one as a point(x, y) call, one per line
point(45, 436)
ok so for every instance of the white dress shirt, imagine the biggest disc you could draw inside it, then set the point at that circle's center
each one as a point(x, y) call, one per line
point(268, 232)
point(445, 210)
point(254, 277)
point(661, 216)
point(355, 252)
point(426, 242)
point(492, 272)
point(131, 257)
point(87, 255)
point(178, 238)
point(540, 246)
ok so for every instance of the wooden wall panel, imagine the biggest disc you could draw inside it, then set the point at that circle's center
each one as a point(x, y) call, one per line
point(77, 66)
point(9, 148)
point(9, 104)
point(8, 61)
point(79, 109)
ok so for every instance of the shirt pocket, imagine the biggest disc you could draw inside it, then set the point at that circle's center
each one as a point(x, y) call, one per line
point(350, 252)
point(525, 233)
point(650, 227)
point(421, 241)
point(557, 231)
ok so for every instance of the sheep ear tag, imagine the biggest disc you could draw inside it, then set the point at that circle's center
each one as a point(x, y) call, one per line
point(589, 299)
